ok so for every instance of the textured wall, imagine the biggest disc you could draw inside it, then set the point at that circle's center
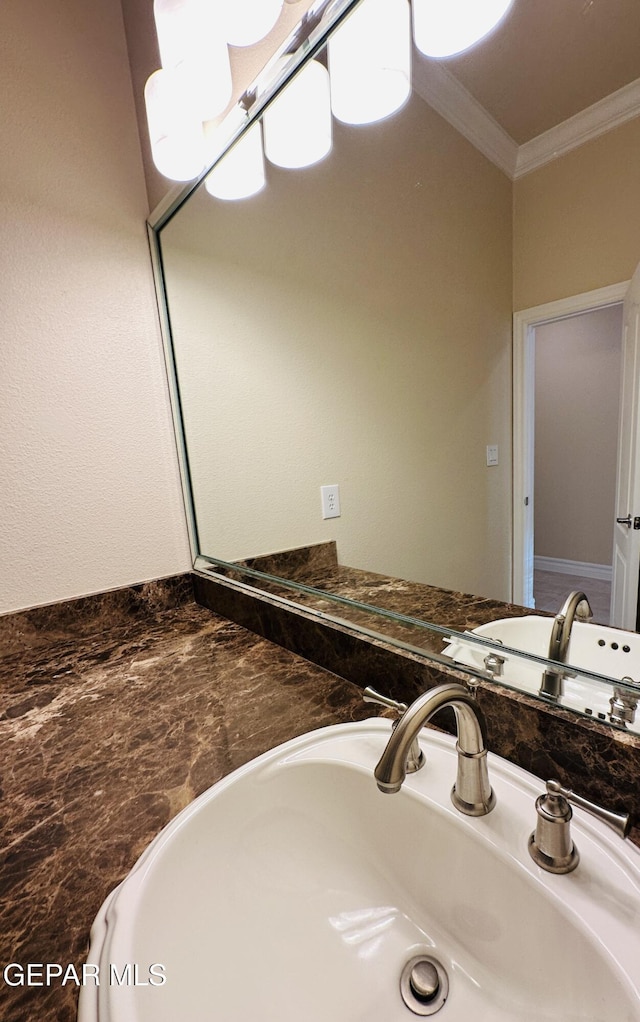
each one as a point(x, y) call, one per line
point(577, 220)
point(90, 496)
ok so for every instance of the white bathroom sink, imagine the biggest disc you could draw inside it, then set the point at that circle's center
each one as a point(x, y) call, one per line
point(294, 891)
point(593, 648)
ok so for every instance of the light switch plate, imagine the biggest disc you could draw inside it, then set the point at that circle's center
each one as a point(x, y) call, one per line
point(492, 454)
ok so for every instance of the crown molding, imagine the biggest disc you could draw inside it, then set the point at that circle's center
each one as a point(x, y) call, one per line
point(603, 116)
point(442, 91)
point(438, 87)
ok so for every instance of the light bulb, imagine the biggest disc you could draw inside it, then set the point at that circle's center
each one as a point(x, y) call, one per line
point(297, 124)
point(442, 28)
point(370, 62)
point(175, 131)
point(191, 35)
point(240, 172)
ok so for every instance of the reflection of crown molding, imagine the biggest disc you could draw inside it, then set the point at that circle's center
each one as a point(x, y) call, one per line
point(441, 90)
point(604, 115)
point(450, 99)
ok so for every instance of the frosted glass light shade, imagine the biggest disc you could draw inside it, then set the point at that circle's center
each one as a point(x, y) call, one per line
point(442, 28)
point(370, 62)
point(248, 21)
point(240, 172)
point(175, 131)
point(191, 35)
point(297, 125)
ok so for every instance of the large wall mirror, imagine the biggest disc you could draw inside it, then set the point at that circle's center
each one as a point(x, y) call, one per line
point(349, 327)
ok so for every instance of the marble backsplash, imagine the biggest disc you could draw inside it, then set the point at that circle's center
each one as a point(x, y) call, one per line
point(43, 626)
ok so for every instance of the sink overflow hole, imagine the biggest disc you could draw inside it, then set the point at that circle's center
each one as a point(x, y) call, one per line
point(424, 985)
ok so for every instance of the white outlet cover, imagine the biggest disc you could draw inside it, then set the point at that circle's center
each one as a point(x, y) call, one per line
point(330, 500)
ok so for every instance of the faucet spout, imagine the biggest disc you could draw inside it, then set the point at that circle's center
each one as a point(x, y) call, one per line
point(575, 606)
point(472, 793)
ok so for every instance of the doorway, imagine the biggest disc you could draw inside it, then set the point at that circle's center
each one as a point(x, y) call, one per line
point(577, 365)
point(567, 553)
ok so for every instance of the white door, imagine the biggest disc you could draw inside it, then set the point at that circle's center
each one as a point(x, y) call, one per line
point(626, 530)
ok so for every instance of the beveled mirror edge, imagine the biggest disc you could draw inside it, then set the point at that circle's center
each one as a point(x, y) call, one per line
point(225, 570)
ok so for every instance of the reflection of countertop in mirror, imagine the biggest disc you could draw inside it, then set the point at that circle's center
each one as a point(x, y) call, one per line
point(317, 567)
point(430, 604)
point(116, 712)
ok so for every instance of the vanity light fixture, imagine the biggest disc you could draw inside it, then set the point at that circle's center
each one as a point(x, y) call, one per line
point(191, 36)
point(370, 62)
point(297, 124)
point(369, 76)
point(240, 172)
point(194, 84)
point(442, 28)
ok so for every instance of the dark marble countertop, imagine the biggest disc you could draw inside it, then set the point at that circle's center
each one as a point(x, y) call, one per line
point(116, 711)
point(113, 719)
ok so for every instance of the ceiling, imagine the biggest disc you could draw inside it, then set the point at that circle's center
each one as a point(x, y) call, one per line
point(547, 61)
point(550, 59)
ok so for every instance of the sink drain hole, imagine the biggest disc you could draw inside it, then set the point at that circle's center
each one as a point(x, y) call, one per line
point(424, 985)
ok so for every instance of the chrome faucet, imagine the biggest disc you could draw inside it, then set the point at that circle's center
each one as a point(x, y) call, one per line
point(472, 793)
point(575, 606)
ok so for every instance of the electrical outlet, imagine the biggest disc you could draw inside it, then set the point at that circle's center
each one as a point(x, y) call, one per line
point(492, 454)
point(330, 497)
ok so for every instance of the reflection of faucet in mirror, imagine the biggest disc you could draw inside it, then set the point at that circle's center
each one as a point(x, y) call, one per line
point(575, 606)
point(472, 793)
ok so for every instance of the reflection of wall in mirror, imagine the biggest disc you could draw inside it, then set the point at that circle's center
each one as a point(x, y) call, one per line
point(577, 220)
point(361, 339)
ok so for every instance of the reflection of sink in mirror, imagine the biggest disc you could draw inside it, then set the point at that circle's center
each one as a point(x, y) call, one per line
point(293, 889)
point(595, 648)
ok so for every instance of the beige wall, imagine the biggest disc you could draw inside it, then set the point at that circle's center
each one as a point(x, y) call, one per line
point(577, 401)
point(577, 220)
point(90, 496)
point(351, 325)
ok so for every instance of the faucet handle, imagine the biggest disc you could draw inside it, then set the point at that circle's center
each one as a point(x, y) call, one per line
point(620, 822)
point(415, 756)
point(371, 695)
point(551, 846)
